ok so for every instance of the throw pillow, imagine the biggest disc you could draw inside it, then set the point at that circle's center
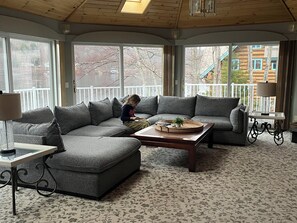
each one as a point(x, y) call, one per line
point(72, 117)
point(176, 105)
point(117, 104)
point(148, 105)
point(49, 130)
point(37, 116)
point(236, 118)
point(100, 111)
point(214, 106)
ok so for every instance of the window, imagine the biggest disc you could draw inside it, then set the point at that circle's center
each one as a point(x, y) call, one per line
point(32, 70)
point(207, 73)
point(257, 64)
point(143, 70)
point(235, 64)
point(273, 64)
point(206, 70)
point(99, 74)
point(256, 46)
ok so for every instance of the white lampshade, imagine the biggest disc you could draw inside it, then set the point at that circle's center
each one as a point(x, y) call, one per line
point(266, 89)
point(10, 106)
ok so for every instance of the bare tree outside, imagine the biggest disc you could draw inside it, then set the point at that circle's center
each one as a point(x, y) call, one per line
point(98, 71)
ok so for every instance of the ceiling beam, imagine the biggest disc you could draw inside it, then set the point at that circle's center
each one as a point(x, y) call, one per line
point(288, 10)
point(178, 14)
point(80, 5)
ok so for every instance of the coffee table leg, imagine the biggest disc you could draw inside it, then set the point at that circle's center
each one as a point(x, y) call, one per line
point(210, 139)
point(192, 159)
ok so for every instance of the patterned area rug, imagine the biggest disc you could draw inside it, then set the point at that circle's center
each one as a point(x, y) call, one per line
point(256, 183)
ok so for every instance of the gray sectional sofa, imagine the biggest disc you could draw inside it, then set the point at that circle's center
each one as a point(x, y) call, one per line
point(95, 152)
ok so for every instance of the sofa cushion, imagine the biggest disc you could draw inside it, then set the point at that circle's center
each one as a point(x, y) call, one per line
point(236, 118)
point(214, 106)
point(72, 117)
point(37, 116)
point(221, 123)
point(95, 131)
point(93, 154)
point(117, 104)
point(49, 130)
point(176, 105)
point(100, 111)
point(32, 139)
point(118, 123)
point(148, 105)
point(141, 115)
point(152, 120)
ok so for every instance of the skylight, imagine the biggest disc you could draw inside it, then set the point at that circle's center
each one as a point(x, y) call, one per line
point(135, 6)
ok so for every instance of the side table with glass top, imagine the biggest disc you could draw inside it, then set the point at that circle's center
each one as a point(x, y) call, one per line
point(257, 129)
point(25, 153)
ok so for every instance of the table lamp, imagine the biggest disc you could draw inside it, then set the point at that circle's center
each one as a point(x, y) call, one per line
point(266, 90)
point(10, 108)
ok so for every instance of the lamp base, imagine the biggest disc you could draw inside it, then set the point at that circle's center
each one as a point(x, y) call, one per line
point(7, 151)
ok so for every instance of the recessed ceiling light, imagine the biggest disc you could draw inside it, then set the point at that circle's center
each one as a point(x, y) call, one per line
point(135, 6)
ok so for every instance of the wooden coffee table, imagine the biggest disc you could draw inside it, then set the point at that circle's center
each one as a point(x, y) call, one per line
point(186, 141)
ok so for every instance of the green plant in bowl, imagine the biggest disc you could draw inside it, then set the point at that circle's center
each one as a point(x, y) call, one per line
point(178, 122)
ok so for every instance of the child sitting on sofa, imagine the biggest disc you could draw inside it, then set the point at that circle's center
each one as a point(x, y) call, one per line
point(128, 114)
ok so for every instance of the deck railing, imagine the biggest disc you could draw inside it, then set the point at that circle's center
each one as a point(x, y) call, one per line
point(40, 97)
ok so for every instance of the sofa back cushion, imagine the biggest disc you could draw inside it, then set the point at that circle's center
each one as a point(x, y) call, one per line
point(50, 130)
point(117, 104)
point(176, 105)
point(214, 106)
point(37, 116)
point(72, 117)
point(148, 105)
point(100, 111)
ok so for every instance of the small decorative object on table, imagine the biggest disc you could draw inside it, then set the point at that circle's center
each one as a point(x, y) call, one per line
point(187, 126)
point(178, 122)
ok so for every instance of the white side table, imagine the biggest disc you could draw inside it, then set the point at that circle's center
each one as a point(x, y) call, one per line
point(25, 153)
point(277, 132)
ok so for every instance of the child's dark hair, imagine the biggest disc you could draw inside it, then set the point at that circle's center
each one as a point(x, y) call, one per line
point(134, 98)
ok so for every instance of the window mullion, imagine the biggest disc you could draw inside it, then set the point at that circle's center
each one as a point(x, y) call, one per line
point(229, 71)
point(9, 65)
point(122, 71)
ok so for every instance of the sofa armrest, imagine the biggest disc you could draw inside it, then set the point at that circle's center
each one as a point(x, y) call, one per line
point(33, 139)
point(239, 118)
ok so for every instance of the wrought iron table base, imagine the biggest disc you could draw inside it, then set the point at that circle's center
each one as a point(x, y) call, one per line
point(14, 177)
point(255, 132)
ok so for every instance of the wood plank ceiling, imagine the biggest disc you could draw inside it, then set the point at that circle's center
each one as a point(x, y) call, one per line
point(160, 13)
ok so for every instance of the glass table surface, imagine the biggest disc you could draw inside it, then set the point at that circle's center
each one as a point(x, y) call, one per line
point(25, 153)
point(18, 153)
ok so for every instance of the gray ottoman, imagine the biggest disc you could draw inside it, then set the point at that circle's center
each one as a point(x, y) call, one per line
point(91, 166)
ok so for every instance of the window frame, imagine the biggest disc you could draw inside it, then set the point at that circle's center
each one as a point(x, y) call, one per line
point(53, 69)
point(256, 47)
point(254, 63)
point(237, 64)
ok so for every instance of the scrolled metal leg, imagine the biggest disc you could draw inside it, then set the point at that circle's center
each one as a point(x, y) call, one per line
point(40, 182)
point(2, 177)
point(49, 193)
point(278, 135)
point(254, 132)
